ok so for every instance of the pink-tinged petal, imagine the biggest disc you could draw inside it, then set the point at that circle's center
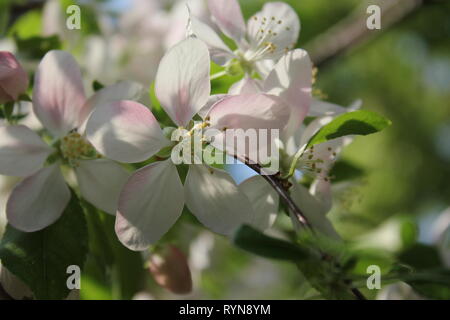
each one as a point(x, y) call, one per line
point(203, 112)
point(22, 152)
point(125, 131)
point(264, 201)
point(4, 96)
point(13, 78)
point(228, 16)
point(249, 111)
point(182, 82)
point(58, 95)
point(249, 125)
point(245, 86)
point(220, 53)
point(122, 90)
point(313, 210)
point(100, 183)
point(150, 203)
point(280, 26)
point(291, 80)
point(213, 197)
point(38, 201)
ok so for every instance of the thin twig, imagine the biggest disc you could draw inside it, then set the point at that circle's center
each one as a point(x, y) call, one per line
point(280, 186)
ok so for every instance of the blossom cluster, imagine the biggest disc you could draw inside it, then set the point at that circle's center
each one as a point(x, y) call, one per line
point(93, 137)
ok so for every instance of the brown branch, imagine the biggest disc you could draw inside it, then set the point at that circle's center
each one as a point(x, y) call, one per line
point(352, 30)
point(281, 186)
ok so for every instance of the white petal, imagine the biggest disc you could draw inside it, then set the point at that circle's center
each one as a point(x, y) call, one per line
point(122, 90)
point(281, 28)
point(264, 67)
point(264, 201)
point(213, 197)
point(150, 203)
point(245, 86)
point(58, 95)
point(291, 80)
point(321, 190)
point(100, 183)
point(125, 131)
point(228, 16)
point(39, 200)
point(219, 51)
point(182, 83)
point(312, 128)
point(313, 210)
point(22, 151)
point(326, 154)
point(321, 108)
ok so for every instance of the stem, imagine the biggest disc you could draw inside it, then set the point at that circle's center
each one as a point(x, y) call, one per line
point(281, 186)
point(297, 157)
point(218, 75)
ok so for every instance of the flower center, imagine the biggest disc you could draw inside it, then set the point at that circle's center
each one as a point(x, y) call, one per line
point(189, 144)
point(265, 37)
point(317, 162)
point(74, 148)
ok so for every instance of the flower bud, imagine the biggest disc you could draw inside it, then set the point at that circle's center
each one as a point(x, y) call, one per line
point(170, 270)
point(13, 78)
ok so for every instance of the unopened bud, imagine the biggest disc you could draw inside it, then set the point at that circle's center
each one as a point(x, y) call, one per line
point(171, 271)
point(13, 78)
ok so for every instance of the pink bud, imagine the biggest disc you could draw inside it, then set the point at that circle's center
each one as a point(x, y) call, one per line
point(171, 271)
point(13, 78)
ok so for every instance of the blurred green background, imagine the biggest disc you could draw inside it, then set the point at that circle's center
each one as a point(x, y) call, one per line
point(401, 71)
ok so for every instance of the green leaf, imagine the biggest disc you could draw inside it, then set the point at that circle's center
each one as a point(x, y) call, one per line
point(36, 47)
point(27, 25)
point(421, 257)
point(7, 110)
point(110, 266)
point(157, 109)
point(432, 284)
point(361, 122)
point(254, 241)
point(425, 275)
point(24, 97)
point(4, 17)
point(40, 259)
